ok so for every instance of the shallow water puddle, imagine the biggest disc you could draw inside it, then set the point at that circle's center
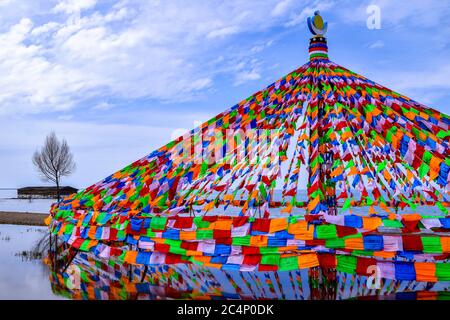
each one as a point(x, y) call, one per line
point(21, 277)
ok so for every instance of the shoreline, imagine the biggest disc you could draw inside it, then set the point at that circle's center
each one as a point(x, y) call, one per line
point(23, 218)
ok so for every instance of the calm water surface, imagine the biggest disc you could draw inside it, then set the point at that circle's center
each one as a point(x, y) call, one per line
point(20, 277)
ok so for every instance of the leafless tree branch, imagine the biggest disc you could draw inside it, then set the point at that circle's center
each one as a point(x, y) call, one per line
point(54, 160)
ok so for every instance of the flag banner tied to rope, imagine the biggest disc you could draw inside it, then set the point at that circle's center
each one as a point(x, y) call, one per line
point(210, 196)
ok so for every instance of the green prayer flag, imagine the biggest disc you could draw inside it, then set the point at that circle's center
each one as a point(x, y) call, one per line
point(346, 264)
point(442, 207)
point(423, 169)
point(326, 231)
point(241, 241)
point(337, 243)
point(381, 166)
point(347, 204)
point(272, 259)
point(289, 263)
point(158, 223)
point(443, 271)
point(431, 244)
point(204, 234)
point(392, 223)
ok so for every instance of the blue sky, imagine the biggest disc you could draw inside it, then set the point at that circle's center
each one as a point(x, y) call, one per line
point(118, 79)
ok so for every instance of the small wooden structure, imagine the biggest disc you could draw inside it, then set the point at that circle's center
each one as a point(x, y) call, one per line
point(44, 192)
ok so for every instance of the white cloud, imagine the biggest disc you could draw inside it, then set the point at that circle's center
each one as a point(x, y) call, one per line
point(29, 81)
point(74, 6)
point(260, 47)
point(11, 11)
point(419, 79)
point(308, 11)
point(281, 7)
point(427, 85)
point(130, 50)
point(65, 117)
point(102, 106)
point(246, 75)
point(5, 2)
point(247, 71)
point(377, 44)
point(45, 28)
point(222, 32)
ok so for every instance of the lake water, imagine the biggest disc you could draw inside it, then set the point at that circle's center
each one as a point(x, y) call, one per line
point(21, 278)
point(26, 276)
point(10, 203)
point(24, 205)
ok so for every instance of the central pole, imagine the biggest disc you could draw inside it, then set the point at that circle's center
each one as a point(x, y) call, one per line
point(323, 280)
point(318, 52)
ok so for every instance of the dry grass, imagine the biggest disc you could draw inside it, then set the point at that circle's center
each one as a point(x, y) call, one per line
point(22, 218)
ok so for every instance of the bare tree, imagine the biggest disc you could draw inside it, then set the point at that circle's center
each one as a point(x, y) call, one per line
point(54, 161)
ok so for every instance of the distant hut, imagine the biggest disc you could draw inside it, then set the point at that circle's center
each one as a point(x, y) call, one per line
point(44, 192)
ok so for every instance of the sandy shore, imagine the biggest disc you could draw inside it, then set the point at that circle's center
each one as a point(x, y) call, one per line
point(22, 218)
